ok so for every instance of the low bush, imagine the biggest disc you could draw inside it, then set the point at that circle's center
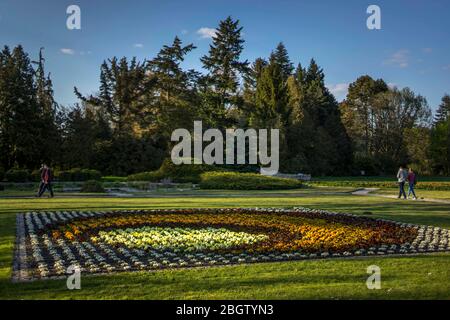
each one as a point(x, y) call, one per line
point(245, 181)
point(183, 173)
point(17, 175)
point(35, 175)
point(78, 174)
point(93, 186)
point(2, 174)
point(150, 176)
point(2, 188)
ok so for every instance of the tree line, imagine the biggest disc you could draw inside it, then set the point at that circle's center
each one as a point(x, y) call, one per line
point(125, 127)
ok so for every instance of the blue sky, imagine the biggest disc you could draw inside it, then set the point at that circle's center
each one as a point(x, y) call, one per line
point(412, 48)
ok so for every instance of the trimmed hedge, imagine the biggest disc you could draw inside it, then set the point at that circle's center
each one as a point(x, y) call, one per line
point(183, 173)
point(245, 181)
point(17, 175)
point(150, 176)
point(92, 186)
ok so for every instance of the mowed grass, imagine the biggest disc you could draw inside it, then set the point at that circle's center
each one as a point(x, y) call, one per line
point(408, 277)
point(426, 194)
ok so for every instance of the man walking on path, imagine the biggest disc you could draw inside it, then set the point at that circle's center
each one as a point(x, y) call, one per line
point(412, 180)
point(46, 181)
point(402, 175)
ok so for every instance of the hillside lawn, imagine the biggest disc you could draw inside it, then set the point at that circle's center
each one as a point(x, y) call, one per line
point(408, 277)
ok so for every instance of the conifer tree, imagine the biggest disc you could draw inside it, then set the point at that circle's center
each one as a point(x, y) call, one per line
point(443, 111)
point(225, 69)
point(19, 110)
point(281, 57)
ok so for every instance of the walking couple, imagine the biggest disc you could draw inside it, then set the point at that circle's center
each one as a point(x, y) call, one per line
point(404, 175)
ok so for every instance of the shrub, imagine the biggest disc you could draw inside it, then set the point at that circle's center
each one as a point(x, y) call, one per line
point(150, 176)
point(92, 186)
point(245, 181)
point(2, 174)
point(2, 188)
point(35, 175)
point(183, 173)
point(78, 174)
point(17, 175)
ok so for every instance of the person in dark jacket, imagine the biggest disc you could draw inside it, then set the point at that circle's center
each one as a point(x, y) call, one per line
point(412, 181)
point(46, 181)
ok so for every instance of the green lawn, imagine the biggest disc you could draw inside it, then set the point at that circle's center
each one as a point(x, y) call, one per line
point(423, 277)
point(427, 194)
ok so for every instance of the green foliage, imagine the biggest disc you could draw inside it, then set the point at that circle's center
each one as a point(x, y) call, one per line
point(77, 174)
point(114, 179)
point(440, 147)
point(443, 111)
point(224, 70)
point(35, 175)
point(183, 173)
point(381, 123)
point(17, 175)
point(92, 186)
point(150, 176)
point(126, 127)
point(245, 181)
point(2, 174)
point(27, 110)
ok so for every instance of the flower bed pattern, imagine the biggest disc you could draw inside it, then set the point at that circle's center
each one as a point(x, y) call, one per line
point(101, 242)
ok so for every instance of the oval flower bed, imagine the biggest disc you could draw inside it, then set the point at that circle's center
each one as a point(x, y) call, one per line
point(48, 243)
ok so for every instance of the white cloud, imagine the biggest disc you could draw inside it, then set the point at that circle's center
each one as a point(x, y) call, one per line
point(392, 85)
point(399, 58)
point(184, 31)
point(138, 45)
point(339, 90)
point(206, 33)
point(68, 51)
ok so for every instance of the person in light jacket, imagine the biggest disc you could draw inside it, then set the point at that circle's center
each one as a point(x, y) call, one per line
point(402, 175)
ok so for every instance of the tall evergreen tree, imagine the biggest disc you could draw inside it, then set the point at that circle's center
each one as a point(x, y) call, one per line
point(49, 138)
point(443, 111)
point(121, 86)
point(19, 111)
point(177, 95)
point(225, 69)
point(281, 57)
